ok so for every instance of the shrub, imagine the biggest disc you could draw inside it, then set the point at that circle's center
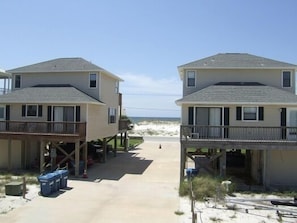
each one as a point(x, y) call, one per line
point(203, 186)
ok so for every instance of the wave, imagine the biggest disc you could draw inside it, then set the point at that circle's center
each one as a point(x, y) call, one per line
point(156, 127)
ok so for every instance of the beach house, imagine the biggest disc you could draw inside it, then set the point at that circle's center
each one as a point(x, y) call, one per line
point(239, 116)
point(55, 108)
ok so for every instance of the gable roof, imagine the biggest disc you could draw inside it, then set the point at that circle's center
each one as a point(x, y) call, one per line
point(62, 65)
point(240, 94)
point(43, 95)
point(236, 61)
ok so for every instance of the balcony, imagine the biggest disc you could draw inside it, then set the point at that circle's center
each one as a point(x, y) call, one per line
point(124, 125)
point(239, 137)
point(4, 91)
point(20, 129)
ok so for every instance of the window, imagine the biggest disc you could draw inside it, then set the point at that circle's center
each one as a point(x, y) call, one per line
point(191, 78)
point(17, 81)
point(32, 110)
point(112, 115)
point(2, 113)
point(117, 87)
point(93, 80)
point(286, 79)
point(250, 113)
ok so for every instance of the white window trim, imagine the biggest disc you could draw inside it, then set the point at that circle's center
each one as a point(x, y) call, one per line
point(187, 84)
point(52, 110)
point(96, 80)
point(117, 87)
point(257, 113)
point(282, 78)
point(15, 81)
point(109, 110)
point(26, 112)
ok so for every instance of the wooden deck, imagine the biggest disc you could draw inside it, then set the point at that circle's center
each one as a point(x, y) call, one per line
point(219, 139)
point(234, 137)
point(58, 131)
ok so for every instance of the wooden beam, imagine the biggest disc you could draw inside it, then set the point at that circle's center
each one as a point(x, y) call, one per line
point(223, 163)
point(104, 147)
point(41, 156)
point(76, 158)
point(85, 152)
point(115, 146)
point(126, 141)
point(182, 163)
point(9, 154)
point(23, 154)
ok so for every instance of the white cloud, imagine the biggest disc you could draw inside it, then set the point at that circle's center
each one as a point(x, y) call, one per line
point(144, 84)
point(145, 95)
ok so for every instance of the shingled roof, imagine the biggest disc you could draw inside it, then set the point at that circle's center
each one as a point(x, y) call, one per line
point(62, 65)
point(41, 95)
point(239, 94)
point(236, 60)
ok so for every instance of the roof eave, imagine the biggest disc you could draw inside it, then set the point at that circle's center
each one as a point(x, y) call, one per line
point(53, 102)
point(180, 103)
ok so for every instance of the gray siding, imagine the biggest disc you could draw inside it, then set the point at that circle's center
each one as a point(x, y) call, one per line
point(76, 79)
point(207, 77)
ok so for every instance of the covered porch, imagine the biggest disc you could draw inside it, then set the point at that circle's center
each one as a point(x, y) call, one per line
point(5, 82)
point(37, 140)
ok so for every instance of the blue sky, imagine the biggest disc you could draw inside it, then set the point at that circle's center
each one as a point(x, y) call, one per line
point(143, 41)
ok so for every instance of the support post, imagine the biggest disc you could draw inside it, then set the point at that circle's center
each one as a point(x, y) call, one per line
point(41, 156)
point(24, 145)
point(182, 163)
point(9, 154)
point(85, 149)
point(265, 172)
point(223, 163)
point(115, 146)
point(104, 150)
point(125, 141)
point(76, 158)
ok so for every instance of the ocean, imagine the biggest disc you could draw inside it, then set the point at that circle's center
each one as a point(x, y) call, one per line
point(155, 126)
point(137, 120)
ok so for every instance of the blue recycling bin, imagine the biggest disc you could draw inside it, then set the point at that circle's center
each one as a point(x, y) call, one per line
point(191, 172)
point(63, 177)
point(55, 178)
point(46, 184)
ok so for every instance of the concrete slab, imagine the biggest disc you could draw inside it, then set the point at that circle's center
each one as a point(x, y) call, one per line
point(136, 186)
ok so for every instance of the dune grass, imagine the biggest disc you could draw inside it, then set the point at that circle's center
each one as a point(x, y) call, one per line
point(6, 177)
point(203, 186)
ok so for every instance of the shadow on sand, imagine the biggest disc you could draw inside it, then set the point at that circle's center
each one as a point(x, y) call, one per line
point(116, 167)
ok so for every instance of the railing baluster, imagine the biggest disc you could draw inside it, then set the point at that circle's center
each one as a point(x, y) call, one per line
point(43, 127)
point(256, 133)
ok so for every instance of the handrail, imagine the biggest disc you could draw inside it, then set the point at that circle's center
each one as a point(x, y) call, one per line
point(77, 128)
point(281, 133)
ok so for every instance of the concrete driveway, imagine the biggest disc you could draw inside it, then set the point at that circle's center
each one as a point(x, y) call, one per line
point(136, 186)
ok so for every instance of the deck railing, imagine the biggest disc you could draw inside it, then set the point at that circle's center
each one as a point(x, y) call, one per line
point(4, 91)
point(196, 132)
point(124, 124)
point(73, 128)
